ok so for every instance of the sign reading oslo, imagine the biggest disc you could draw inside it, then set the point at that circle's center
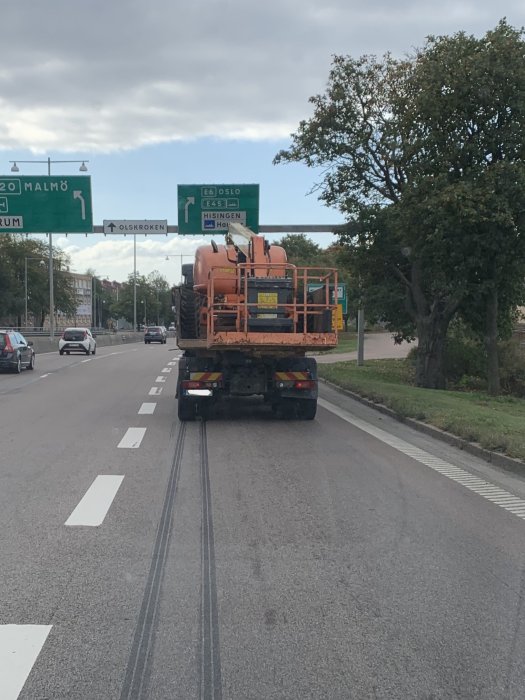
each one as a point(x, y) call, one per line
point(46, 204)
point(210, 208)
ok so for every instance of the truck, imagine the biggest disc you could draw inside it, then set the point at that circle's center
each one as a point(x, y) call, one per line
point(246, 319)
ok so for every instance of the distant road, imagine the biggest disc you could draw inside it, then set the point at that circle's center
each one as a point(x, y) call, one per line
point(378, 346)
point(248, 557)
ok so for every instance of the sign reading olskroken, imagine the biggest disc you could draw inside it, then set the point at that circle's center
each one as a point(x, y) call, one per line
point(46, 204)
point(210, 208)
point(142, 226)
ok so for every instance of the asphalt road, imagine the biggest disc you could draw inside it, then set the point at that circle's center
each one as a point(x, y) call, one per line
point(247, 557)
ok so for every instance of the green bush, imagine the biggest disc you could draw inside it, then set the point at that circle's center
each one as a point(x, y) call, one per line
point(465, 356)
point(512, 367)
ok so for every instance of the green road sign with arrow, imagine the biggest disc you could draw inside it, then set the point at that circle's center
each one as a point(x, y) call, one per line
point(210, 208)
point(46, 204)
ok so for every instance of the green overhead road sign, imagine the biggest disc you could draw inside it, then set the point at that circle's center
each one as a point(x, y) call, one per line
point(210, 208)
point(46, 204)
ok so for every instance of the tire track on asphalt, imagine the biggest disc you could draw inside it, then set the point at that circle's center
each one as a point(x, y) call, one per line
point(138, 671)
point(210, 661)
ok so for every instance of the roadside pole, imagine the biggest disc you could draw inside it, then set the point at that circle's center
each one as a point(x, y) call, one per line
point(360, 337)
point(135, 283)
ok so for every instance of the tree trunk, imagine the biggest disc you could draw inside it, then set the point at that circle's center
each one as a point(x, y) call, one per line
point(430, 371)
point(491, 343)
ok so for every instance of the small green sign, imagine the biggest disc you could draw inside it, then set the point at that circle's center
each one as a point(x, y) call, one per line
point(341, 294)
point(209, 209)
point(46, 204)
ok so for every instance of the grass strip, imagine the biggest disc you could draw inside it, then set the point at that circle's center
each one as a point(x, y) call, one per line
point(496, 423)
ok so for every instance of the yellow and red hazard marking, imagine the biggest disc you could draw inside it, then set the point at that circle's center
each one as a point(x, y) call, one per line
point(291, 376)
point(205, 376)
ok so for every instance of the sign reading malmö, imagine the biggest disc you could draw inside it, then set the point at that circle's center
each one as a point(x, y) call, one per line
point(46, 204)
point(210, 208)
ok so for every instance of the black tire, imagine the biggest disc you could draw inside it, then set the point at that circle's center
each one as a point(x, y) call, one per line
point(186, 409)
point(188, 313)
point(67, 352)
point(31, 364)
point(60, 352)
point(87, 351)
point(18, 367)
point(306, 408)
point(94, 351)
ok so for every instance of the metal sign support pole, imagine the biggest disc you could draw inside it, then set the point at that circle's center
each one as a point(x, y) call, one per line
point(134, 282)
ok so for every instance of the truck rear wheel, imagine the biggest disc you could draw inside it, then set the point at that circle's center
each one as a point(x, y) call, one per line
point(186, 409)
point(306, 408)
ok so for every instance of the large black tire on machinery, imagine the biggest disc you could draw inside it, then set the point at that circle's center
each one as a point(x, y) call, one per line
point(188, 304)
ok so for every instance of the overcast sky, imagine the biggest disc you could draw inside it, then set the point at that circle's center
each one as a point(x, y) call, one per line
point(164, 93)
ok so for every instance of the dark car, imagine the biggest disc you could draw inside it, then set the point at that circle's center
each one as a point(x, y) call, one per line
point(155, 334)
point(16, 352)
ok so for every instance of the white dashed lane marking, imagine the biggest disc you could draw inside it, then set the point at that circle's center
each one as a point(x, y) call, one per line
point(486, 489)
point(43, 376)
point(167, 370)
point(147, 408)
point(155, 391)
point(20, 646)
point(132, 438)
point(160, 379)
point(96, 502)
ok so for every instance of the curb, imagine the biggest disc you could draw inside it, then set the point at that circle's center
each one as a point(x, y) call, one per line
point(503, 461)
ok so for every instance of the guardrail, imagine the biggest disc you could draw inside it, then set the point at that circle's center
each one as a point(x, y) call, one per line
point(38, 332)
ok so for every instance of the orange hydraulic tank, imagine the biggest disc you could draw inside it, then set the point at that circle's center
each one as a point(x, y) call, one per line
point(224, 259)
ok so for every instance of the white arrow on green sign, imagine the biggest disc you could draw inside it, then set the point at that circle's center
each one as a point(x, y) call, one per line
point(210, 208)
point(46, 204)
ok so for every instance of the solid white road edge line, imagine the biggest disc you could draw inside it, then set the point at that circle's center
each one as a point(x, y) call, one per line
point(147, 409)
point(96, 502)
point(498, 496)
point(20, 646)
point(132, 438)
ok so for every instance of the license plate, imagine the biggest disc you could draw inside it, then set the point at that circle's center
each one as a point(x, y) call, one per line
point(73, 345)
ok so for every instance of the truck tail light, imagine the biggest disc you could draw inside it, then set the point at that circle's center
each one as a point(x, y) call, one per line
point(304, 384)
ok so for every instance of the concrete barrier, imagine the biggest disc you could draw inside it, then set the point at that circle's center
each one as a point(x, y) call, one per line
point(42, 345)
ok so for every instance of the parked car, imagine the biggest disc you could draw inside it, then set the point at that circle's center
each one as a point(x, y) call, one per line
point(155, 334)
point(77, 340)
point(172, 327)
point(16, 352)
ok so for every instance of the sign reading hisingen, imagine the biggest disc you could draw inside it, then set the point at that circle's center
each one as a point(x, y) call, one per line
point(46, 204)
point(210, 208)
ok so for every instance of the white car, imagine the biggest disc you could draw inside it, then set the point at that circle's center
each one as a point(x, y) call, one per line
point(77, 340)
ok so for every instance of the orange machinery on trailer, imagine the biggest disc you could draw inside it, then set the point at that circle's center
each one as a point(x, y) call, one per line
point(245, 320)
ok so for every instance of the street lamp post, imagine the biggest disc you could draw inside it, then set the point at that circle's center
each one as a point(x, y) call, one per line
point(181, 256)
point(143, 301)
point(83, 169)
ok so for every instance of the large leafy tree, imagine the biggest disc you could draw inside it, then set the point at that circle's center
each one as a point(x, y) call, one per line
point(18, 254)
point(425, 157)
point(465, 105)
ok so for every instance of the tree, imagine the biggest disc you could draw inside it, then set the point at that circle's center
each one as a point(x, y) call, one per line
point(413, 152)
point(466, 109)
point(17, 254)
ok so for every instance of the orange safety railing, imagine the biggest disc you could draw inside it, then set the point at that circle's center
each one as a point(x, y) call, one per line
point(306, 308)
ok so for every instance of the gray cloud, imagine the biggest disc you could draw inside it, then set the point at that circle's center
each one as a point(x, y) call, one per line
point(106, 75)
